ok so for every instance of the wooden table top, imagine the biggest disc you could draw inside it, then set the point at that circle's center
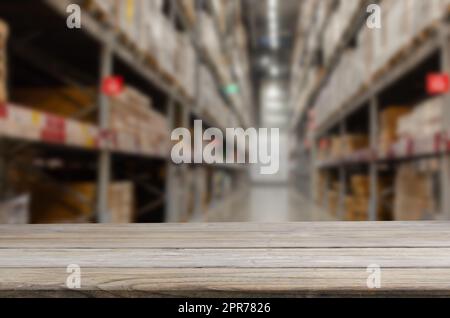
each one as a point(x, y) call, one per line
point(227, 260)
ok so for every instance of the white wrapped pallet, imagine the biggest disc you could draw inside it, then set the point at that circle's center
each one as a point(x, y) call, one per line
point(425, 121)
point(185, 64)
point(129, 19)
point(168, 47)
point(366, 51)
point(108, 8)
point(152, 26)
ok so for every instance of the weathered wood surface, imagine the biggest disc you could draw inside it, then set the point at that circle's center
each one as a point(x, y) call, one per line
point(295, 259)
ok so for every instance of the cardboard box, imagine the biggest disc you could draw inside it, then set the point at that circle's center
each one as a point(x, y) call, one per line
point(389, 122)
point(75, 203)
point(358, 201)
point(414, 195)
point(353, 143)
point(426, 120)
point(62, 101)
point(333, 202)
point(121, 202)
point(138, 128)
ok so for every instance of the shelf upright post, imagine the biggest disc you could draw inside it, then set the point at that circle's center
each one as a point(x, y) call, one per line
point(314, 170)
point(198, 61)
point(445, 159)
point(373, 166)
point(184, 170)
point(198, 190)
point(172, 212)
point(171, 185)
point(104, 160)
point(342, 174)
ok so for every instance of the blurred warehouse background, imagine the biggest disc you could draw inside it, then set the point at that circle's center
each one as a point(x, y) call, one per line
point(86, 113)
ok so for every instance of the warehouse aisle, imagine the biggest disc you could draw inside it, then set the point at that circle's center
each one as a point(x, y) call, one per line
point(269, 204)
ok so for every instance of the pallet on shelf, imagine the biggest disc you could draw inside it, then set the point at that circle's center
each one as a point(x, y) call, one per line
point(188, 10)
point(138, 128)
point(391, 47)
point(413, 44)
point(103, 10)
point(20, 122)
point(65, 101)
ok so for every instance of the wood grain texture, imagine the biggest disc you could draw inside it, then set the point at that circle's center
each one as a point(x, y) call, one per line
point(248, 260)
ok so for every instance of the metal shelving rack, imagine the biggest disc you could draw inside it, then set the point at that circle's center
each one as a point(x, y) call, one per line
point(110, 49)
point(369, 100)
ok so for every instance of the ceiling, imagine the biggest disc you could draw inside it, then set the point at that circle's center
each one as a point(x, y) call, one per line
point(272, 27)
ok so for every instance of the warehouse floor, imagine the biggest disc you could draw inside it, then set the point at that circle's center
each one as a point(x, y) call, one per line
point(269, 204)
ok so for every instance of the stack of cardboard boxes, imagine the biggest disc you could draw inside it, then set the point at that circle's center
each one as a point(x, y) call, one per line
point(45, 116)
point(338, 24)
point(414, 194)
point(137, 127)
point(63, 101)
point(389, 123)
point(403, 22)
point(24, 123)
point(338, 147)
point(185, 65)
point(426, 120)
point(45, 201)
point(211, 104)
point(358, 201)
point(75, 203)
point(121, 202)
point(355, 142)
point(319, 187)
point(145, 27)
point(333, 199)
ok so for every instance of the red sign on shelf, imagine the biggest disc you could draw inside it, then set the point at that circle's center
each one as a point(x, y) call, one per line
point(112, 85)
point(324, 144)
point(3, 111)
point(438, 83)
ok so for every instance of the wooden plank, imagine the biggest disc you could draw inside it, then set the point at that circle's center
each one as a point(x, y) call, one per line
point(238, 260)
point(233, 258)
point(338, 234)
point(222, 282)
